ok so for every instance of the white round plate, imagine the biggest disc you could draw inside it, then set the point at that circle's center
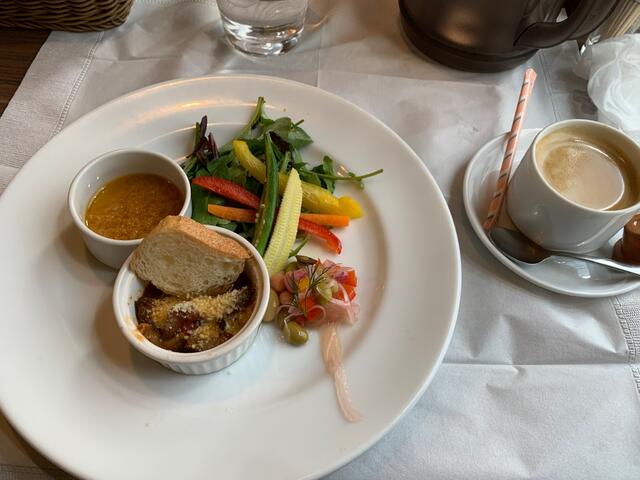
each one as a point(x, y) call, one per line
point(70, 383)
point(558, 274)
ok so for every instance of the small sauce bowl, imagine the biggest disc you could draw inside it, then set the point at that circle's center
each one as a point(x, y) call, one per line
point(128, 288)
point(105, 168)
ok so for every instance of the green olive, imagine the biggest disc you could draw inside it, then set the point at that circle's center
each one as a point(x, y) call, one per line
point(294, 333)
point(291, 266)
point(272, 306)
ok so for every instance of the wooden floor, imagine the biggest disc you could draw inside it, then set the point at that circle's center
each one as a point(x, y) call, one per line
point(18, 48)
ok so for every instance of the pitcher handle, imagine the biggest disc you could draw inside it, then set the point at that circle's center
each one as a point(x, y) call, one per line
point(586, 17)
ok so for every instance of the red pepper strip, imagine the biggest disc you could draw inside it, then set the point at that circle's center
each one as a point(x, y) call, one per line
point(228, 189)
point(319, 231)
point(351, 291)
point(351, 279)
point(307, 302)
point(235, 192)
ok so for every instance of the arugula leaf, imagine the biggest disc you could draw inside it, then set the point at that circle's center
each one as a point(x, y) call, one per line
point(306, 175)
point(227, 167)
point(280, 126)
point(284, 164)
point(346, 175)
point(266, 121)
point(253, 185)
point(288, 132)
point(326, 168)
point(258, 115)
point(228, 224)
point(200, 199)
point(190, 166)
point(298, 137)
point(246, 230)
point(246, 132)
point(256, 145)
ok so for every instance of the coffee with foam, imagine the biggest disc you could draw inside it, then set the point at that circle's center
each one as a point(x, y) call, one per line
point(587, 169)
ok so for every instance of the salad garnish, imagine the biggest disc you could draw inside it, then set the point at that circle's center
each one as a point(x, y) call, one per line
point(262, 155)
point(314, 293)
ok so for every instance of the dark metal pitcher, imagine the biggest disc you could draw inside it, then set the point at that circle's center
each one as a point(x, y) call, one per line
point(494, 35)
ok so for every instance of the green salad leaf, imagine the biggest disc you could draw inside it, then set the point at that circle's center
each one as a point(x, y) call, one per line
point(287, 139)
point(326, 168)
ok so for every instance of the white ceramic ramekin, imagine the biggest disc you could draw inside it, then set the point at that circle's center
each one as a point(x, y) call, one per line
point(101, 170)
point(128, 288)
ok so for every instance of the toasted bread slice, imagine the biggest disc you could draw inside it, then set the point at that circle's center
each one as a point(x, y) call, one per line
point(182, 257)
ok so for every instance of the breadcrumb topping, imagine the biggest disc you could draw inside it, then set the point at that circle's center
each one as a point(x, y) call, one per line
point(195, 324)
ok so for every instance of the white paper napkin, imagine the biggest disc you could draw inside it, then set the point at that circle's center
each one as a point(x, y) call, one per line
point(612, 70)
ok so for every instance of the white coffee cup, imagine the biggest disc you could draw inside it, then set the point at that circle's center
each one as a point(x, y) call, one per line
point(552, 220)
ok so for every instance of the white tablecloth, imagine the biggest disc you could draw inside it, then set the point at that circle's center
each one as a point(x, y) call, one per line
point(534, 385)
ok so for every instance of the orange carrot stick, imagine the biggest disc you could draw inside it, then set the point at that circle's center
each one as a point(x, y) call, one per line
point(249, 216)
point(327, 219)
point(232, 213)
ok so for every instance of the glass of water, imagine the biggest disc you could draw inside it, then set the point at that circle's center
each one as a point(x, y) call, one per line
point(263, 27)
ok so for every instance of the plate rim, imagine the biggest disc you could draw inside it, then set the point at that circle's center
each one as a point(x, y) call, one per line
point(467, 190)
point(340, 460)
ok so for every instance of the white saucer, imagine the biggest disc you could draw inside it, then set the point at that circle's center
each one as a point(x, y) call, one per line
point(558, 274)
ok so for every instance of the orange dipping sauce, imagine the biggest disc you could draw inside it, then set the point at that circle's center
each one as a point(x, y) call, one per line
point(129, 207)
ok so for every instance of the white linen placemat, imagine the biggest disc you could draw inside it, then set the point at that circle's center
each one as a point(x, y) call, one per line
point(534, 385)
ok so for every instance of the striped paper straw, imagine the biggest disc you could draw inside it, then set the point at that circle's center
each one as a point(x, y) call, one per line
point(512, 143)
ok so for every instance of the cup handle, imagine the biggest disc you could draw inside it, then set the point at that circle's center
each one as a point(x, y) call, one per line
point(584, 19)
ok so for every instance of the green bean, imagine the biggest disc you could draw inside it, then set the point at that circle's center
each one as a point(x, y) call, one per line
point(269, 202)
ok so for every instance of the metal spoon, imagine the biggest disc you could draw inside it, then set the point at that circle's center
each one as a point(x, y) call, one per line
point(519, 247)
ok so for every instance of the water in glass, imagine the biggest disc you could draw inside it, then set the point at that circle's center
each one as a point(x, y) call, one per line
point(263, 27)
